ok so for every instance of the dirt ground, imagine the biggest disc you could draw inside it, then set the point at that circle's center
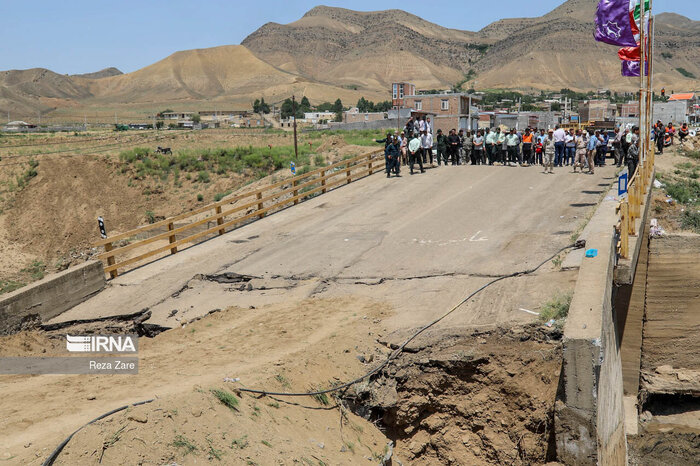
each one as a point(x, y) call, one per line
point(665, 209)
point(454, 398)
point(52, 220)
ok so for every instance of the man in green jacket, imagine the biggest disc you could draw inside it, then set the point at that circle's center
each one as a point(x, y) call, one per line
point(441, 147)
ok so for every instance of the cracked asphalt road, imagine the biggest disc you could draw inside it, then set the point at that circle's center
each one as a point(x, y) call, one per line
point(417, 242)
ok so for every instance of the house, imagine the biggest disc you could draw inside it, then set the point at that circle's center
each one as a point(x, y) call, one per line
point(451, 110)
point(18, 126)
point(675, 111)
point(597, 110)
point(628, 110)
point(316, 117)
point(354, 116)
point(399, 91)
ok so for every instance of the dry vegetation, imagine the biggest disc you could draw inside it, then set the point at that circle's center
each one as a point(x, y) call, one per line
point(54, 186)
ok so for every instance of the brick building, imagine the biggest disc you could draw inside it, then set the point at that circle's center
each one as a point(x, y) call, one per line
point(450, 110)
point(597, 110)
point(399, 91)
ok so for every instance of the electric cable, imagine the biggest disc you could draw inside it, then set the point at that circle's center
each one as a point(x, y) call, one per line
point(49, 461)
point(395, 354)
point(577, 245)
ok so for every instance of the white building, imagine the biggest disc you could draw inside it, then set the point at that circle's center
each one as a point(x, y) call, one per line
point(315, 117)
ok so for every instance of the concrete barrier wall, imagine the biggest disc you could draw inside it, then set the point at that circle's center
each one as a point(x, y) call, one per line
point(47, 298)
point(589, 415)
point(589, 411)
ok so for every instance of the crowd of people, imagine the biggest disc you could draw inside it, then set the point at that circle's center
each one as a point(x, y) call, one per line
point(580, 149)
point(663, 135)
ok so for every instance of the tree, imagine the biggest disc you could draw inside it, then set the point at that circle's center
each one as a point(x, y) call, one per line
point(287, 109)
point(383, 106)
point(256, 106)
point(325, 107)
point(338, 109)
point(305, 105)
point(555, 107)
point(264, 107)
point(196, 119)
point(160, 124)
point(363, 105)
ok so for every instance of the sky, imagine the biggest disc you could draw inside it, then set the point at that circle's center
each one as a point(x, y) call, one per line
point(82, 36)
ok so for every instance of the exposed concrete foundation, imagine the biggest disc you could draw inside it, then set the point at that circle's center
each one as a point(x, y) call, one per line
point(589, 412)
point(47, 298)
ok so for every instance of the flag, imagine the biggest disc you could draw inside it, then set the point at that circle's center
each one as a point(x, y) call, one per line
point(631, 68)
point(635, 14)
point(613, 22)
point(630, 53)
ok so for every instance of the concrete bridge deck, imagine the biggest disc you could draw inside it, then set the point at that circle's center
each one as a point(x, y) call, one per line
point(418, 242)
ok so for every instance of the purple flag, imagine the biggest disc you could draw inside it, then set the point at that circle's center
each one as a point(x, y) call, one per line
point(632, 68)
point(612, 23)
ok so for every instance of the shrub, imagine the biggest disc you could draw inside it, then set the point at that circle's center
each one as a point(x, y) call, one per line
point(691, 221)
point(557, 307)
point(686, 73)
point(684, 191)
point(200, 198)
point(203, 177)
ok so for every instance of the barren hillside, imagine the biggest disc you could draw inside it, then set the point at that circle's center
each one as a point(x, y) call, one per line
point(556, 50)
point(334, 53)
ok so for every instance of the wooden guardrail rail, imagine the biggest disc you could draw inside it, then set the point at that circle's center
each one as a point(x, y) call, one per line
point(257, 203)
point(630, 209)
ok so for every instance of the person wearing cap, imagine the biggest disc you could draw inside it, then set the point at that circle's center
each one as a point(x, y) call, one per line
point(580, 158)
point(391, 156)
point(549, 152)
point(498, 146)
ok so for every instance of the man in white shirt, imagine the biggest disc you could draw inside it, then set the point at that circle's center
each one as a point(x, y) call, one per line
point(426, 143)
point(559, 146)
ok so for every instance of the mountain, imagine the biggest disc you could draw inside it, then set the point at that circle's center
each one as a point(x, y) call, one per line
point(105, 73)
point(373, 49)
point(334, 53)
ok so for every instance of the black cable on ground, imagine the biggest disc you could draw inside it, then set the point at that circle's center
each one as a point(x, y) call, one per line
point(49, 461)
point(577, 245)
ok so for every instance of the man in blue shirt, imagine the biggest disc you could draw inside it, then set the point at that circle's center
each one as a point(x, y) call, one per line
point(593, 143)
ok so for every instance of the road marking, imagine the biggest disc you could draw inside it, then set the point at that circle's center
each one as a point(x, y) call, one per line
point(476, 238)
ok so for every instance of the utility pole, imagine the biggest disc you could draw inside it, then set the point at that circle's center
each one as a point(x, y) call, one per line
point(294, 110)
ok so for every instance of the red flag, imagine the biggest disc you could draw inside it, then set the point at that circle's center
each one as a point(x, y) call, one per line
point(630, 53)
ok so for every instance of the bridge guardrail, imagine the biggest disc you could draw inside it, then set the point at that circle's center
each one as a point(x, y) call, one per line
point(276, 195)
point(630, 209)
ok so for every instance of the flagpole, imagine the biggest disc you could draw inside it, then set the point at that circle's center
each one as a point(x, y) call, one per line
point(642, 85)
point(650, 79)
